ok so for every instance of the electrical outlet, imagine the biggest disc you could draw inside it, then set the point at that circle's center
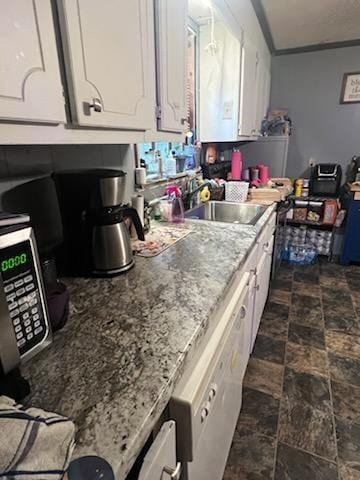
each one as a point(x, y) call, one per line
point(311, 162)
point(227, 110)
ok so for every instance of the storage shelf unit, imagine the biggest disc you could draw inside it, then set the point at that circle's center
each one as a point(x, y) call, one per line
point(312, 240)
point(309, 223)
point(311, 198)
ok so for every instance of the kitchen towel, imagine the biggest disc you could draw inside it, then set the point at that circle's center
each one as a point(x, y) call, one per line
point(34, 444)
point(158, 239)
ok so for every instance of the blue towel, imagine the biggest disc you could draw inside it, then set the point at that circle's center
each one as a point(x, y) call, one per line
point(34, 445)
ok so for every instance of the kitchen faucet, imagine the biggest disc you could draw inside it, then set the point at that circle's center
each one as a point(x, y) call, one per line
point(187, 196)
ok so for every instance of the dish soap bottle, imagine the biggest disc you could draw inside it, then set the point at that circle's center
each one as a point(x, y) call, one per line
point(177, 207)
point(171, 164)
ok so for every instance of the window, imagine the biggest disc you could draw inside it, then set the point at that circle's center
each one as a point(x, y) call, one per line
point(163, 160)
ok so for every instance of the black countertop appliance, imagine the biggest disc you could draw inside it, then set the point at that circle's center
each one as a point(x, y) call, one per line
point(96, 223)
point(325, 180)
point(38, 198)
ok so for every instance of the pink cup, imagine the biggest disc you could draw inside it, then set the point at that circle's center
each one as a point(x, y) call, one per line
point(263, 174)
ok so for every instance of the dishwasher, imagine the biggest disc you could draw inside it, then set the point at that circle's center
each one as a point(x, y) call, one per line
point(206, 404)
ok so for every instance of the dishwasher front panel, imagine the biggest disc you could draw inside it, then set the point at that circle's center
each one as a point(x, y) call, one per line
point(205, 428)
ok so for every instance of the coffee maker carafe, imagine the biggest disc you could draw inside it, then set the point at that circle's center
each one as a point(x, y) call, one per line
point(95, 223)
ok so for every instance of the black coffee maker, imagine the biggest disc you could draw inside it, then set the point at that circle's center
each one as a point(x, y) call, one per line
point(96, 223)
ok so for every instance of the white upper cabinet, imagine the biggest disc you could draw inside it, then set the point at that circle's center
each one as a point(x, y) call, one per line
point(109, 55)
point(30, 87)
point(171, 35)
point(219, 83)
point(263, 93)
point(248, 89)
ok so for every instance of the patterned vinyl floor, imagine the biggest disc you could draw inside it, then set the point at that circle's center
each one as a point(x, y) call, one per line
point(300, 418)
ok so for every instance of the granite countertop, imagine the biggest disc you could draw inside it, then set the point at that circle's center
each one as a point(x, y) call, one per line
point(113, 367)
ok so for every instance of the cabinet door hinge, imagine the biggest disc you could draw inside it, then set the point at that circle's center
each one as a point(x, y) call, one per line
point(158, 112)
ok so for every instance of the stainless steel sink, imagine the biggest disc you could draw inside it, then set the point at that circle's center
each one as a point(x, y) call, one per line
point(228, 212)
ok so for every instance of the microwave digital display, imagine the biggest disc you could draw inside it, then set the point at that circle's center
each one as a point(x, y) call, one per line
point(15, 260)
point(11, 262)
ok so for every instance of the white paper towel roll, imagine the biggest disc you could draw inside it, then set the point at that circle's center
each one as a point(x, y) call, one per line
point(137, 202)
point(140, 176)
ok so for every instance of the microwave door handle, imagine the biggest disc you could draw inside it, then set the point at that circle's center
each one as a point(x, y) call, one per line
point(9, 351)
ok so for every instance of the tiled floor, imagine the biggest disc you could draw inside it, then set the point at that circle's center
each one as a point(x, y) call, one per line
point(300, 418)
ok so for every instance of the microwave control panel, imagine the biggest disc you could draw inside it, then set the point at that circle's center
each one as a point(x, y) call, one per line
point(22, 290)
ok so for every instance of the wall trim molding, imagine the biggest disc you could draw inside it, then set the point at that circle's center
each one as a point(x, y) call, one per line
point(265, 27)
point(317, 47)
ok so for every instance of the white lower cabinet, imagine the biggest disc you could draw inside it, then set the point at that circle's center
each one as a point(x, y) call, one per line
point(262, 286)
point(250, 314)
point(160, 461)
point(30, 87)
point(207, 402)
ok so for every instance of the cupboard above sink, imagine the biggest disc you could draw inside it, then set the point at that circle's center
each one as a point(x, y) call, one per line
point(234, 64)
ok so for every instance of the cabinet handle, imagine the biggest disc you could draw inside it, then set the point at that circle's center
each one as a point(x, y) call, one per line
point(243, 312)
point(257, 288)
point(173, 472)
point(96, 105)
point(252, 272)
point(183, 121)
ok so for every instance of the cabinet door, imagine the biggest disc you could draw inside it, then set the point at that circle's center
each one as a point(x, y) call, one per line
point(249, 64)
point(171, 48)
point(160, 461)
point(219, 84)
point(30, 87)
point(262, 94)
point(249, 319)
point(245, 319)
point(262, 288)
point(109, 51)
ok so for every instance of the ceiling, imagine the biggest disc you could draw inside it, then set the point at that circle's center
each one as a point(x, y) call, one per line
point(308, 24)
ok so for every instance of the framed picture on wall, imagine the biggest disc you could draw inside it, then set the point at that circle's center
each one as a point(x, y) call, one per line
point(350, 92)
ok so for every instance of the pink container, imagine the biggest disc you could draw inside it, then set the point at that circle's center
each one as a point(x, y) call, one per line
point(236, 165)
point(263, 174)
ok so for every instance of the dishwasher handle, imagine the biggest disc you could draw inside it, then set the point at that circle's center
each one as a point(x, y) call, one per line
point(174, 472)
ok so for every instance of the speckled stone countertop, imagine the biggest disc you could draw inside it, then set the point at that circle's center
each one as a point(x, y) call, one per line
point(113, 367)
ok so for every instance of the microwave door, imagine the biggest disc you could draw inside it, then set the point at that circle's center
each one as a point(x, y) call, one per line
point(9, 352)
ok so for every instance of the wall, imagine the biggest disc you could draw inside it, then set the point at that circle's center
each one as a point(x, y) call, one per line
point(309, 84)
point(21, 164)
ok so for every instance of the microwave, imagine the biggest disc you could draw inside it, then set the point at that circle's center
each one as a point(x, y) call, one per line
point(24, 321)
